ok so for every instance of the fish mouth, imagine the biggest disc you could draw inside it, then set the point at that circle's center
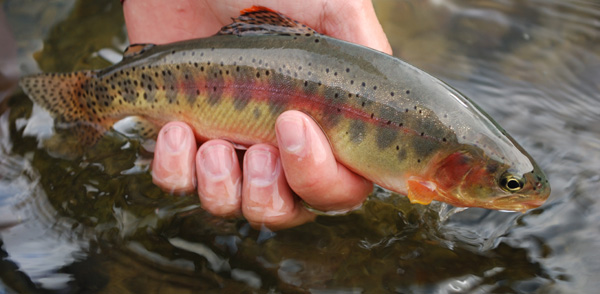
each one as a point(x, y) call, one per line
point(519, 203)
point(516, 203)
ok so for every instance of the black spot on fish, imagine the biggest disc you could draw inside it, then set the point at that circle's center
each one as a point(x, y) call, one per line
point(311, 88)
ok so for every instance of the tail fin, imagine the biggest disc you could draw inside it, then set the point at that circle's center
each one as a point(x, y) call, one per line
point(67, 97)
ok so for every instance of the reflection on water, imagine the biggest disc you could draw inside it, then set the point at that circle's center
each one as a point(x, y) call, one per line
point(97, 224)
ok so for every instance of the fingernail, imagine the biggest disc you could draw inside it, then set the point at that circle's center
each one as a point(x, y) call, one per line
point(291, 134)
point(174, 138)
point(216, 161)
point(262, 167)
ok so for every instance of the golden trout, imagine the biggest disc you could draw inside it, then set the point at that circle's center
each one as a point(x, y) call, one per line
point(385, 119)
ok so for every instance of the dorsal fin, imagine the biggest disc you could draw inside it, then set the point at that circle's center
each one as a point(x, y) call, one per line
point(259, 20)
point(136, 49)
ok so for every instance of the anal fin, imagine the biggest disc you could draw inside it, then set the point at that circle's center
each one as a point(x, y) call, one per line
point(137, 126)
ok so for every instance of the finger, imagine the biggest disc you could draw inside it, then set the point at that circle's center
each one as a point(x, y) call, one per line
point(159, 21)
point(219, 178)
point(356, 22)
point(173, 165)
point(311, 168)
point(266, 197)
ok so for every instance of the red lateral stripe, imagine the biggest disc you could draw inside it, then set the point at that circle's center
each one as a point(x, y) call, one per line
point(290, 97)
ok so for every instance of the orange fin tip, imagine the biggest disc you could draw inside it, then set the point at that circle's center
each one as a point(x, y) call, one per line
point(420, 191)
point(256, 8)
point(259, 20)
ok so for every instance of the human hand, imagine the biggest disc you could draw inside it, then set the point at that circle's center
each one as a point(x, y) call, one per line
point(265, 189)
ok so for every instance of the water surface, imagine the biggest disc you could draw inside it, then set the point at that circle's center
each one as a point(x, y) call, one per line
point(97, 224)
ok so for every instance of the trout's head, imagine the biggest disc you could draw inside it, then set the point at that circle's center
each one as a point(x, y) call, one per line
point(470, 179)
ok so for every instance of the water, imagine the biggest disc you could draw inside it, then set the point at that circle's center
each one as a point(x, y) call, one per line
point(97, 224)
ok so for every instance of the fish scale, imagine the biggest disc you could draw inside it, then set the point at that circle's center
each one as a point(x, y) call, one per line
point(385, 119)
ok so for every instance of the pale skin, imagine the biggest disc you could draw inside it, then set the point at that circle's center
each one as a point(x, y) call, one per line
point(267, 187)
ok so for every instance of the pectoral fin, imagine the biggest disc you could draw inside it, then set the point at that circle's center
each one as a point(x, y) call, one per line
point(421, 191)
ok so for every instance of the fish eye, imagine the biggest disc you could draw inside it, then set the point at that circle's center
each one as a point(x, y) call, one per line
point(511, 183)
